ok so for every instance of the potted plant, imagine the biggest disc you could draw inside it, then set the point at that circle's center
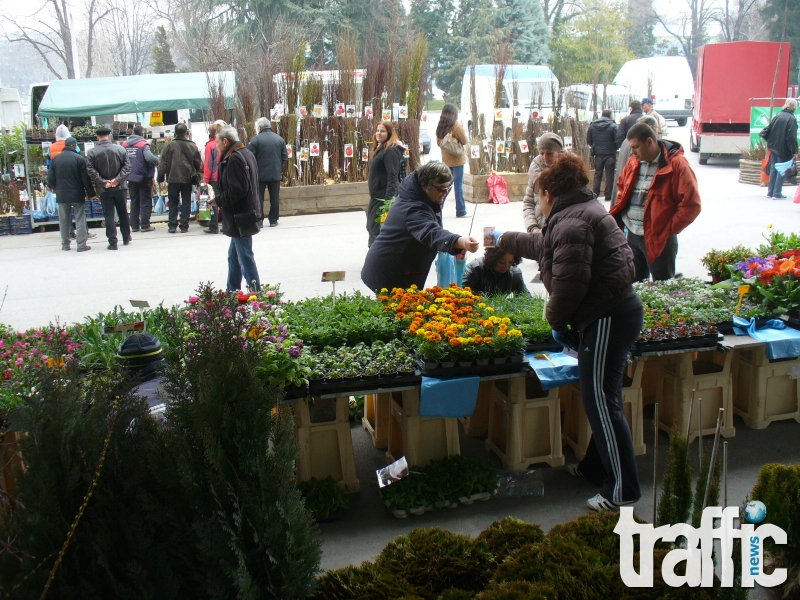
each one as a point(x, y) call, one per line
point(716, 261)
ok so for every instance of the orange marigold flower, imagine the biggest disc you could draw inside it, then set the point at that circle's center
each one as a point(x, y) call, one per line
point(454, 342)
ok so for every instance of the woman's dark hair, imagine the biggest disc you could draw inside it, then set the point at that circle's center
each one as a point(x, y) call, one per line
point(391, 137)
point(492, 255)
point(446, 120)
point(567, 173)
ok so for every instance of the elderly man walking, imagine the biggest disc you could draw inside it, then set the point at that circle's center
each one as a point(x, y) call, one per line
point(241, 210)
point(270, 152)
point(69, 178)
point(109, 166)
point(781, 136)
point(180, 167)
point(647, 108)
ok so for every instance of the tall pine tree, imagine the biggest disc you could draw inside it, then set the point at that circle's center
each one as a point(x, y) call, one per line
point(529, 32)
point(640, 38)
point(162, 53)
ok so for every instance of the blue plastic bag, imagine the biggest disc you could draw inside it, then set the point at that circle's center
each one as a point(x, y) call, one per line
point(160, 206)
point(445, 270)
point(782, 341)
point(564, 371)
point(48, 205)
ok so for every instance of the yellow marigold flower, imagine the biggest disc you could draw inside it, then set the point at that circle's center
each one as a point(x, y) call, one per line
point(482, 305)
point(384, 291)
point(255, 332)
point(769, 226)
point(490, 309)
point(506, 320)
point(515, 333)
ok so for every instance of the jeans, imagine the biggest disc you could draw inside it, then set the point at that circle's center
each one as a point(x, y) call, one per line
point(214, 224)
point(662, 267)
point(182, 191)
point(141, 193)
point(115, 201)
point(458, 188)
point(65, 223)
point(242, 261)
point(775, 179)
point(604, 163)
point(274, 188)
point(602, 354)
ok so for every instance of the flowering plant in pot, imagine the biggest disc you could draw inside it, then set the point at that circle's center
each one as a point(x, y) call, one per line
point(717, 261)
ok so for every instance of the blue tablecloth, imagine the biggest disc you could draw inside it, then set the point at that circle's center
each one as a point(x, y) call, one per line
point(552, 376)
point(782, 341)
point(452, 398)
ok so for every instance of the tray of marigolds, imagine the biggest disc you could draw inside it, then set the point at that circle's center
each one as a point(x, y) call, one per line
point(455, 333)
point(362, 367)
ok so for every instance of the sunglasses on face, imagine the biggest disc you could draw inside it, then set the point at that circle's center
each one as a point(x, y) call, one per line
point(443, 190)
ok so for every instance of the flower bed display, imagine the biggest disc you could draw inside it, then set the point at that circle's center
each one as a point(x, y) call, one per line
point(451, 327)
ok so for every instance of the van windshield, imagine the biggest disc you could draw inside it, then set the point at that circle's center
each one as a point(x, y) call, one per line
point(532, 94)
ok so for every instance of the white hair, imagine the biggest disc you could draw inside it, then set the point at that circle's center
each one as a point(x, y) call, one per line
point(229, 133)
point(220, 123)
point(790, 104)
point(263, 123)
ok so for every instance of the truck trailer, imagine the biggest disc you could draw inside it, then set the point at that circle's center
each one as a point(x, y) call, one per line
point(729, 75)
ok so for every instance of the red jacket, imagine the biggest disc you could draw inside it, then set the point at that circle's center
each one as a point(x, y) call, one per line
point(673, 202)
point(211, 162)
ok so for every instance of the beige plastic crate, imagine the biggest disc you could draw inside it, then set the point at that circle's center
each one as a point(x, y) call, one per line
point(765, 391)
point(524, 424)
point(477, 425)
point(377, 416)
point(419, 439)
point(709, 374)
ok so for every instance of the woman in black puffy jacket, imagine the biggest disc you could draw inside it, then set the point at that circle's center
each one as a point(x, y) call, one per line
point(384, 173)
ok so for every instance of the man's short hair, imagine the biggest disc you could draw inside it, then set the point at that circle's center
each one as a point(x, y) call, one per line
point(434, 172)
point(635, 104)
point(138, 130)
point(607, 113)
point(180, 130)
point(263, 123)
point(228, 133)
point(640, 132)
point(649, 121)
point(790, 104)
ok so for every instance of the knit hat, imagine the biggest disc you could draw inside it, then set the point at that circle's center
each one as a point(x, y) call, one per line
point(71, 141)
point(550, 141)
point(647, 101)
point(62, 132)
point(140, 354)
point(103, 130)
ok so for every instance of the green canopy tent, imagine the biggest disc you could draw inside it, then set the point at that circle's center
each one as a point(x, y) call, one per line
point(134, 94)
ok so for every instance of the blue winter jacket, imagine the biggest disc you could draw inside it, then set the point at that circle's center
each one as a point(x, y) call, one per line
point(412, 235)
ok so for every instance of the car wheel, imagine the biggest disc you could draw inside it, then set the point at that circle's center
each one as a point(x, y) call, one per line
point(704, 159)
point(693, 147)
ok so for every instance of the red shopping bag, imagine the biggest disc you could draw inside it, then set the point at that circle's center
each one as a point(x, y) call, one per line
point(498, 189)
point(797, 195)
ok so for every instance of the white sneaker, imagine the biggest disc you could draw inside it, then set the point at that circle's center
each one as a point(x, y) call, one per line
point(598, 503)
point(573, 470)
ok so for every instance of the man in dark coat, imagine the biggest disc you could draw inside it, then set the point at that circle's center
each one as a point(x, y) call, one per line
point(179, 165)
point(601, 136)
point(404, 250)
point(629, 121)
point(240, 208)
point(69, 178)
point(781, 136)
point(270, 151)
point(140, 181)
point(109, 167)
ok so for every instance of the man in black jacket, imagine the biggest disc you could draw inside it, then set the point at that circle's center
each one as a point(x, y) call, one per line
point(109, 167)
point(270, 151)
point(180, 166)
point(629, 121)
point(781, 136)
point(69, 178)
point(241, 210)
point(404, 250)
point(601, 137)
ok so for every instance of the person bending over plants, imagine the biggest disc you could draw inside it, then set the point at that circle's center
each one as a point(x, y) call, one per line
point(496, 273)
point(587, 267)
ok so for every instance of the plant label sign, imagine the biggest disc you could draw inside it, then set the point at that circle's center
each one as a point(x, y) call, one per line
point(138, 326)
point(488, 240)
point(274, 115)
point(318, 111)
point(500, 145)
point(367, 112)
point(403, 111)
point(474, 151)
point(499, 114)
point(302, 111)
point(340, 109)
point(424, 116)
point(386, 114)
point(303, 154)
point(351, 110)
point(348, 150)
point(365, 154)
point(523, 146)
point(88, 146)
point(289, 151)
point(314, 149)
point(333, 276)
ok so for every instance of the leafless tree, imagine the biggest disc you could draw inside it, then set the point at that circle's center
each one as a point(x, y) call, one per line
point(740, 20)
point(129, 28)
point(50, 34)
point(559, 12)
point(691, 31)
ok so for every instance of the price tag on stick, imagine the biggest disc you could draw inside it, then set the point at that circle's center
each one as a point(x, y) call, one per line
point(743, 289)
point(333, 277)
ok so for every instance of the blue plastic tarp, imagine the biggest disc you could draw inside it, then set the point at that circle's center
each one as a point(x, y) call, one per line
point(564, 371)
point(451, 398)
point(782, 341)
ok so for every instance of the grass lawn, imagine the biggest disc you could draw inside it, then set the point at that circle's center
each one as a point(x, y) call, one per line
point(434, 105)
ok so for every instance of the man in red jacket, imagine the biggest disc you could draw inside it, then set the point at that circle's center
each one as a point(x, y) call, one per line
point(658, 198)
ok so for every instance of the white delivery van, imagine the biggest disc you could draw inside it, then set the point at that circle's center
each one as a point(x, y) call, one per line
point(536, 87)
point(578, 97)
point(666, 79)
point(10, 108)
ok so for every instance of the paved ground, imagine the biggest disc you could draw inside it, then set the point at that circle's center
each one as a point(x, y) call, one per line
point(43, 284)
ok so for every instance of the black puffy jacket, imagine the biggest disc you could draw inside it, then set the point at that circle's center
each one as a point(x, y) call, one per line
point(270, 151)
point(404, 250)
point(782, 138)
point(485, 280)
point(584, 259)
point(602, 136)
point(238, 184)
point(69, 178)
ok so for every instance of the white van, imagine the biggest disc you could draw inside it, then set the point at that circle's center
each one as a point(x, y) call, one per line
point(536, 85)
point(578, 97)
point(666, 79)
point(10, 108)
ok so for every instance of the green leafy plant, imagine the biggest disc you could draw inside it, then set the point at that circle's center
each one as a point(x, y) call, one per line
point(527, 314)
point(716, 261)
point(367, 582)
point(507, 535)
point(383, 210)
point(323, 497)
point(778, 242)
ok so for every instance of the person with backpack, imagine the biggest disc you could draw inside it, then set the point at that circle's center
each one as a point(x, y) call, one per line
point(384, 174)
point(452, 140)
point(140, 181)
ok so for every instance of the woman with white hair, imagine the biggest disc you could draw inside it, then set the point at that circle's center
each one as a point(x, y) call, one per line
point(781, 136)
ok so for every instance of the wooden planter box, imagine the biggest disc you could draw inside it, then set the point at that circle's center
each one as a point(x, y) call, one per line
point(315, 199)
point(750, 172)
point(475, 189)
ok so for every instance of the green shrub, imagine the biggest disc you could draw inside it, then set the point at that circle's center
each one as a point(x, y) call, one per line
point(366, 582)
point(505, 536)
point(675, 504)
point(567, 564)
point(454, 594)
point(433, 560)
point(595, 530)
point(778, 487)
point(519, 590)
point(323, 497)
